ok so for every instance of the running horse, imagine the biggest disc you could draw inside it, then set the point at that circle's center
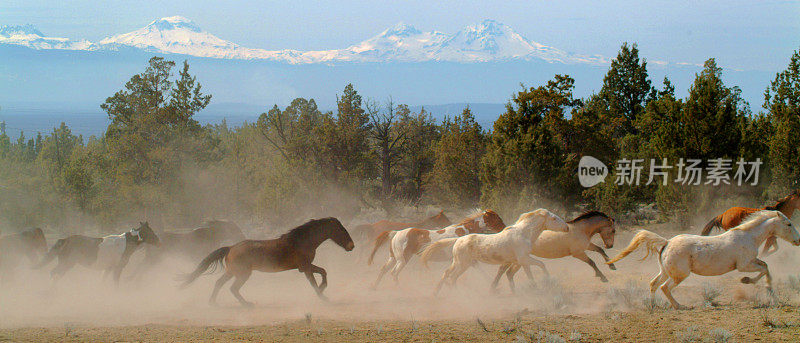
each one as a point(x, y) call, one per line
point(734, 216)
point(370, 231)
point(736, 249)
point(28, 243)
point(510, 246)
point(575, 243)
point(190, 245)
point(293, 250)
point(406, 243)
point(109, 254)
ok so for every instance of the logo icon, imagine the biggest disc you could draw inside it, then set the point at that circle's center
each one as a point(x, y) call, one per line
point(591, 171)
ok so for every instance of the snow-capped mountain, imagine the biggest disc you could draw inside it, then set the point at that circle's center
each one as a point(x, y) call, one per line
point(484, 42)
point(29, 36)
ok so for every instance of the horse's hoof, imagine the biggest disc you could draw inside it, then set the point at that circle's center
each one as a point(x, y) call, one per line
point(248, 304)
point(746, 280)
point(612, 267)
point(602, 279)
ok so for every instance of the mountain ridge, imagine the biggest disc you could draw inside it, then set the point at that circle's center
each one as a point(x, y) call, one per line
point(486, 41)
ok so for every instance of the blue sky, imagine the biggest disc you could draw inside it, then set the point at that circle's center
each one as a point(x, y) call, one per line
point(750, 35)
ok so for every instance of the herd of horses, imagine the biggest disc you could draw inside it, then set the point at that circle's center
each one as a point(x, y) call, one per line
point(480, 238)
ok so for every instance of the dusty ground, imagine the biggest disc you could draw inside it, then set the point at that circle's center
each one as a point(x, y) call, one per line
point(572, 304)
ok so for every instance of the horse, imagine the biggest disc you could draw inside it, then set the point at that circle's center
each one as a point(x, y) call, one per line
point(29, 243)
point(190, 245)
point(293, 250)
point(734, 216)
point(406, 243)
point(109, 254)
point(554, 244)
point(512, 245)
point(370, 231)
point(736, 249)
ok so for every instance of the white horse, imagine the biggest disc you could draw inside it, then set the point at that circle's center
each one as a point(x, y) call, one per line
point(736, 249)
point(575, 243)
point(404, 244)
point(512, 245)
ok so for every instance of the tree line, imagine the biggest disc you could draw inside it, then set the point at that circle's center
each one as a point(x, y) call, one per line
point(156, 161)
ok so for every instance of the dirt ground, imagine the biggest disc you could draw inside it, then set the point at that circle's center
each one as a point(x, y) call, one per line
point(570, 305)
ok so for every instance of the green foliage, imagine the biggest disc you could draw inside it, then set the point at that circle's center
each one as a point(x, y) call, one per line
point(455, 178)
point(782, 100)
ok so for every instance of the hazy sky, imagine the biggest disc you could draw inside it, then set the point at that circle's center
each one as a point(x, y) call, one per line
point(740, 34)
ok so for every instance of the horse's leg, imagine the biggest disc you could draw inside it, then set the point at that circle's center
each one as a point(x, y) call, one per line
point(756, 266)
point(324, 274)
point(118, 269)
point(772, 242)
point(310, 276)
point(386, 266)
point(398, 267)
point(599, 250)
point(241, 278)
point(502, 269)
point(582, 256)
point(220, 282)
point(658, 281)
point(667, 289)
point(510, 276)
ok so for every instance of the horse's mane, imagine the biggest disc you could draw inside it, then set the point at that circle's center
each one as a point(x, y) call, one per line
point(782, 202)
point(587, 215)
point(755, 219)
point(302, 231)
point(473, 215)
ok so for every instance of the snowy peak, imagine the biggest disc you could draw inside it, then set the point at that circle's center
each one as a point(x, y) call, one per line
point(29, 36)
point(486, 41)
point(7, 31)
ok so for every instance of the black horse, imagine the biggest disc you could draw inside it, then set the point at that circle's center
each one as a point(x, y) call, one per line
point(29, 243)
point(110, 253)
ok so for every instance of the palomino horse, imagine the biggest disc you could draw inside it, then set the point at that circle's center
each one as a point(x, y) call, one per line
point(734, 216)
point(293, 250)
point(575, 243)
point(512, 245)
point(406, 243)
point(110, 253)
point(370, 231)
point(29, 243)
point(736, 249)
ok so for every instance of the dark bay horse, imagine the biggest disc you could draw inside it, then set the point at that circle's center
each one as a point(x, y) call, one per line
point(293, 250)
point(29, 243)
point(370, 231)
point(110, 253)
point(734, 216)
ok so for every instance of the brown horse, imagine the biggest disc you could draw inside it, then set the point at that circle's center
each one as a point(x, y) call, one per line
point(29, 243)
point(734, 216)
point(293, 250)
point(370, 231)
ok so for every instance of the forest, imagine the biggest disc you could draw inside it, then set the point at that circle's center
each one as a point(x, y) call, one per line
point(296, 161)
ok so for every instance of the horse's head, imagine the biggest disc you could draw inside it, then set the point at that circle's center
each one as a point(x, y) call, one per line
point(439, 220)
point(785, 229)
point(552, 221)
point(339, 234)
point(35, 240)
point(607, 232)
point(493, 221)
point(146, 234)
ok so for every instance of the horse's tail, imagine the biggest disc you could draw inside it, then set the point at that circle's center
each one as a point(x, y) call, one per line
point(214, 258)
point(716, 222)
point(432, 249)
point(651, 240)
point(379, 241)
point(51, 254)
